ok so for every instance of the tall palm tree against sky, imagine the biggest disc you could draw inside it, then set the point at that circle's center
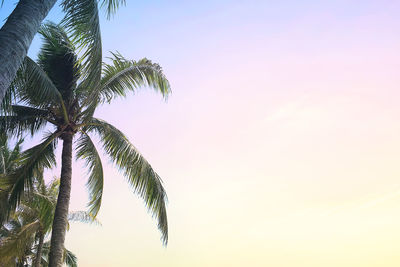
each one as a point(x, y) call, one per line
point(62, 91)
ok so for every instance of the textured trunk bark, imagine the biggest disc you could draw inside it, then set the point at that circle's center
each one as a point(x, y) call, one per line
point(16, 36)
point(61, 212)
point(38, 257)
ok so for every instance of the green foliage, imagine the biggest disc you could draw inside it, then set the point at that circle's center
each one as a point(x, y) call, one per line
point(87, 151)
point(112, 6)
point(124, 75)
point(139, 173)
point(70, 260)
point(31, 164)
point(63, 91)
point(23, 119)
point(20, 234)
point(82, 22)
point(58, 50)
point(34, 87)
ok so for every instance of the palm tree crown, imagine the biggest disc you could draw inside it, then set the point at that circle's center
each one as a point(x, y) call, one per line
point(61, 91)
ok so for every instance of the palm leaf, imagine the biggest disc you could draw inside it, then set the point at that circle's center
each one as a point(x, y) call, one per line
point(33, 161)
point(112, 6)
point(44, 206)
point(33, 86)
point(9, 158)
point(82, 216)
point(70, 259)
point(82, 22)
point(87, 151)
point(124, 75)
point(23, 119)
point(8, 163)
point(15, 245)
point(139, 173)
point(58, 50)
point(14, 155)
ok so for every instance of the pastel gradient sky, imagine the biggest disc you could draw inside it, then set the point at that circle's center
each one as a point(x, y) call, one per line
point(279, 145)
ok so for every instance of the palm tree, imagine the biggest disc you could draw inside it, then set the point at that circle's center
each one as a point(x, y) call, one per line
point(22, 236)
point(23, 23)
point(60, 91)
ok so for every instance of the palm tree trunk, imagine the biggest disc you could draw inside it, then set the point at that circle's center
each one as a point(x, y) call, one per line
point(38, 257)
point(61, 213)
point(16, 36)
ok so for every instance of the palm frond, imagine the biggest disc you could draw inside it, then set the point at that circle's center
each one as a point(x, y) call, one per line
point(15, 246)
point(16, 125)
point(33, 161)
point(9, 157)
point(70, 259)
point(82, 216)
point(124, 75)
point(82, 22)
point(87, 151)
point(23, 120)
point(139, 173)
point(44, 206)
point(15, 153)
point(112, 6)
point(58, 50)
point(54, 186)
point(33, 86)
point(8, 163)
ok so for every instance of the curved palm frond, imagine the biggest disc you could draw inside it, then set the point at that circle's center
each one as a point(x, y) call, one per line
point(33, 86)
point(87, 151)
point(23, 119)
point(112, 6)
point(32, 162)
point(139, 173)
point(70, 259)
point(58, 50)
point(83, 24)
point(122, 75)
point(15, 125)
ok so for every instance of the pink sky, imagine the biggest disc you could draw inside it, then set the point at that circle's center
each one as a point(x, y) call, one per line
point(279, 145)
